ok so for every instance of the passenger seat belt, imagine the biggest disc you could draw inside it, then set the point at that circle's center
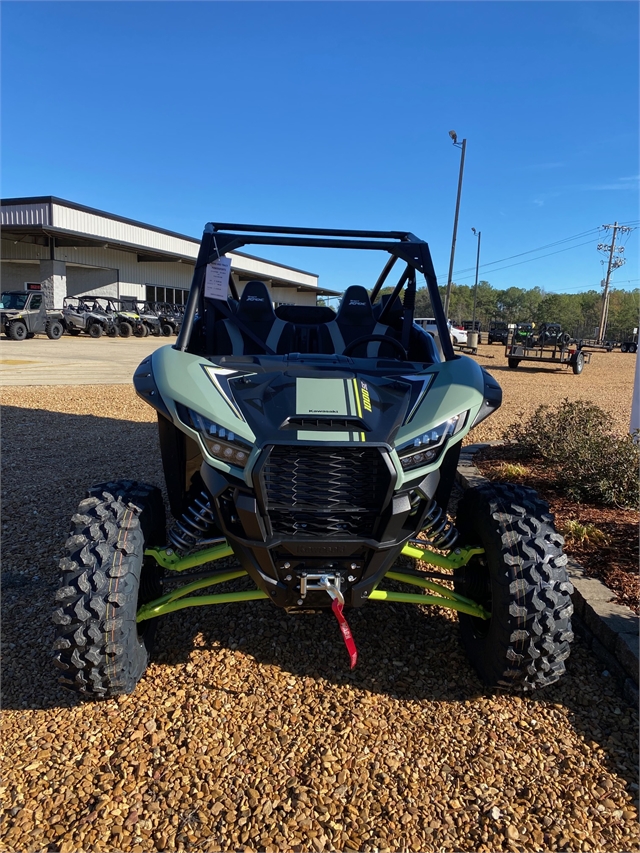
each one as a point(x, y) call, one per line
point(237, 341)
point(274, 335)
point(336, 337)
point(373, 347)
point(223, 307)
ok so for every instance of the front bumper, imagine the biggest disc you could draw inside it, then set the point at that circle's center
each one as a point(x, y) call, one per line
point(318, 511)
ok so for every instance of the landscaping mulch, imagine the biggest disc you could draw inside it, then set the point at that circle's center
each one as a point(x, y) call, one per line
point(614, 561)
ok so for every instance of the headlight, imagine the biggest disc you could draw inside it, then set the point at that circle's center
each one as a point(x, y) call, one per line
point(427, 447)
point(221, 442)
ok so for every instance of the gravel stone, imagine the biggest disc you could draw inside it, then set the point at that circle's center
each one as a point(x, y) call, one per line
point(249, 732)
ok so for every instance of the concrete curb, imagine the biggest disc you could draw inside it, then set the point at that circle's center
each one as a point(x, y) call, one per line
point(610, 630)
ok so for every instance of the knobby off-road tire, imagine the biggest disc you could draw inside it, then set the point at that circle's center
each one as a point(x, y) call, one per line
point(167, 330)
point(99, 647)
point(522, 580)
point(54, 330)
point(95, 330)
point(17, 331)
point(125, 330)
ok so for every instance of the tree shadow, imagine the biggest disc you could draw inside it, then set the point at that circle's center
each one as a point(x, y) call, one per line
point(405, 652)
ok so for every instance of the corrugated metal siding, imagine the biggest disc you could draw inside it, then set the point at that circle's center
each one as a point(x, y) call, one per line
point(26, 214)
point(111, 229)
point(267, 270)
point(23, 251)
point(163, 274)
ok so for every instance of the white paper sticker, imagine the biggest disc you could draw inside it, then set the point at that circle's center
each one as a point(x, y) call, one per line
point(216, 283)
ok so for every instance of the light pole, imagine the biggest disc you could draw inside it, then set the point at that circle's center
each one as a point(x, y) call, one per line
point(462, 145)
point(475, 287)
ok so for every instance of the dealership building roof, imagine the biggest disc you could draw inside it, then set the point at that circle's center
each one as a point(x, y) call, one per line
point(96, 251)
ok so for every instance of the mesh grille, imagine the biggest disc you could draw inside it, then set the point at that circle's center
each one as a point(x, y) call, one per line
point(325, 492)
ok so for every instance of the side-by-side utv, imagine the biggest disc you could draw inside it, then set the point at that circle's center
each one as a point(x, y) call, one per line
point(316, 448)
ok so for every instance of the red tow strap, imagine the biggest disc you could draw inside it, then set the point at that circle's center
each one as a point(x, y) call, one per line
point(347, 636)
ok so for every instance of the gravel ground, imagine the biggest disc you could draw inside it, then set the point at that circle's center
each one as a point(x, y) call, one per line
point(606, 381)
point(248, 731)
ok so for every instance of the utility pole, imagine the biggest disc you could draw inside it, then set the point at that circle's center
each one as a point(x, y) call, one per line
point(462, 145)
point(475, 287)
point(612, 265)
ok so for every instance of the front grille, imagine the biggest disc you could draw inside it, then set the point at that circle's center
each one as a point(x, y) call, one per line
point(325, 492)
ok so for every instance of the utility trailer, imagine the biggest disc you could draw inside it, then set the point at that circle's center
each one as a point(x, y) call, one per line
point(595, 345)
point(566, 354)
point(630, 342)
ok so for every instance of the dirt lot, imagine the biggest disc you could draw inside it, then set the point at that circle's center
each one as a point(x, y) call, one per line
point(607, 381)
point(249, 732)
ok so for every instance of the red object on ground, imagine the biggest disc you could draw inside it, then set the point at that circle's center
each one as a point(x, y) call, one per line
point(347, 636)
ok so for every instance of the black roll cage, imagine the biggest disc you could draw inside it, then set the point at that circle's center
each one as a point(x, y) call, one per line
point(219, 238)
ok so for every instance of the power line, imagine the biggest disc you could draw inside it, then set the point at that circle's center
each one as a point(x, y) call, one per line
point(529, 251)
point(539, 258)
point(539, 249)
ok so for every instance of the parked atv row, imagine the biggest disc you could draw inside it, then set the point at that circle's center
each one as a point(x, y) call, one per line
point(124, 317)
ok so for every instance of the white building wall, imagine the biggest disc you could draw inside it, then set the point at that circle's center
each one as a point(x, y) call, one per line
point(131, 274)
point(83, 222)
point(14, 275)
point(14, 249)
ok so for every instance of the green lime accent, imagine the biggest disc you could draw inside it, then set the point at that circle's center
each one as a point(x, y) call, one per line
point(415, 598)
point(457, 558)
point(179, 564)
point(425, 583)
point(149, 611)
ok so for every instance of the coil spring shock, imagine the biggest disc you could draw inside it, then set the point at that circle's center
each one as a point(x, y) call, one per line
point(195, 524)
point(440, 531)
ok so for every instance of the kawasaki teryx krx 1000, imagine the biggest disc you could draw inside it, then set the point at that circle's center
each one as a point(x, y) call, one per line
point(316, 447)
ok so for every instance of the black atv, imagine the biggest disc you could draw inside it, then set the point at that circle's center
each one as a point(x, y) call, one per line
point(551, 334)
point(317, 448)
point(498, 332)
point(170, 318)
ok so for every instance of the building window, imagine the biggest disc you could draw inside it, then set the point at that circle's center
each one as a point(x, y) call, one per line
point(172, 295)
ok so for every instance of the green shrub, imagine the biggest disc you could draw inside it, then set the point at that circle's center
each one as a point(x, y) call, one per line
point(588, 461)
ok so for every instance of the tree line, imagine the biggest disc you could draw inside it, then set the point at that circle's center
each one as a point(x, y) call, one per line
point(578, 313)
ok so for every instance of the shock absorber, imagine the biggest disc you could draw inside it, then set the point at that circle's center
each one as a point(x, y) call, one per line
point(195, 525)
point(439, 530)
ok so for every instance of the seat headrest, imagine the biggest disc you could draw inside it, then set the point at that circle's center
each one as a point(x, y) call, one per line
point(355, 308)
point(255, 303)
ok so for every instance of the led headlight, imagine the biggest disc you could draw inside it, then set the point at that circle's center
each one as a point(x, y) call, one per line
point(425, 448)
point(221, 442)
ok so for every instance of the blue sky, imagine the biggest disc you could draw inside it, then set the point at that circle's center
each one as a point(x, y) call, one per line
point(337, 114)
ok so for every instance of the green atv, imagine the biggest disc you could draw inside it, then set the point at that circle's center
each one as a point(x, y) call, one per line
point(316, 448)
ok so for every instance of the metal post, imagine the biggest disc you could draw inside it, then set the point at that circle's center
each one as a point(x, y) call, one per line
point(605, 296)
point(475, 287)
point(447, 298)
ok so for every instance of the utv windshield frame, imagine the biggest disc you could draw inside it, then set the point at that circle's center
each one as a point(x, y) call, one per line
point(222, 237)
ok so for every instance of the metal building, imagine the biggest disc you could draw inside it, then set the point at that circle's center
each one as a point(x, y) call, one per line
point(70, 249)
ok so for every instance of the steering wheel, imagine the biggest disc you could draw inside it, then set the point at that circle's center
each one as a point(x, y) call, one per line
point(365, 339)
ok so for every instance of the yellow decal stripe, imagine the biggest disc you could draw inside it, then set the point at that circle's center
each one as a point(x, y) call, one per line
point(355, 389)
